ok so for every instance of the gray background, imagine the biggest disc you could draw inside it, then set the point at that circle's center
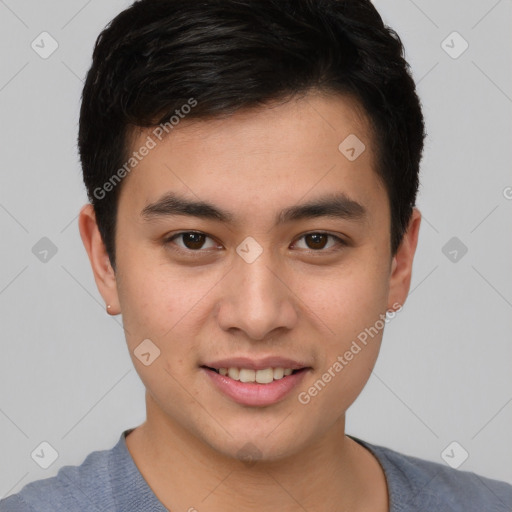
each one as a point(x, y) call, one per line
point(444, 373)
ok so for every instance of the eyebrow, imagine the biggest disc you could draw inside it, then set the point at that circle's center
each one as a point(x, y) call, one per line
point(338, 206)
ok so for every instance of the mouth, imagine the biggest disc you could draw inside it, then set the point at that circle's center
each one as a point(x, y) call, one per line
point(255, 383)
point(249, 375)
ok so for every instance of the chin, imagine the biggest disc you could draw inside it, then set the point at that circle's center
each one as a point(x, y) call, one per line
point(250, 447)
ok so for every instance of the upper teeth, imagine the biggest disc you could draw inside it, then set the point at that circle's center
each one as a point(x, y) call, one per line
point(260, 376)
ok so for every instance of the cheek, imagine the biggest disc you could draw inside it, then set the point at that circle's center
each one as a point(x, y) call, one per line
point(164, 304)
point(352, 304)
point(144, 308)
point(347, 357)
point(150, 296)
point(159, 310)
point(349, 299)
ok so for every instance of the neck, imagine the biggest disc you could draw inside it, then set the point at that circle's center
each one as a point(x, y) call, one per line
point(334, 473)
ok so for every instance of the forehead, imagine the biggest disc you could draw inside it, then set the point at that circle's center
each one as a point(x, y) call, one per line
point(280, 152)
point(314, 119)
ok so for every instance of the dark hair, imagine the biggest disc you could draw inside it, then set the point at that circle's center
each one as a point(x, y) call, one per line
point(231, 54)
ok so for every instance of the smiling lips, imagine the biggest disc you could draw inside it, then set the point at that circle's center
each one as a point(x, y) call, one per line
point(256, 383)
point(262, 371)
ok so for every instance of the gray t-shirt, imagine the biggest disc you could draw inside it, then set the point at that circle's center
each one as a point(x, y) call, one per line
point(108, 480)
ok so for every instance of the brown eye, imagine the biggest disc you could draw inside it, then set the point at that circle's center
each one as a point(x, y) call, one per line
point(191, 241)
point(317, 241)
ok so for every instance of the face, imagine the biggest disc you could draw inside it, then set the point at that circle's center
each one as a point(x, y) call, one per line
point(258, 278)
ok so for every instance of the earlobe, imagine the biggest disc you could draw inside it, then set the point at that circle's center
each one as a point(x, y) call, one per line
point(401, 269)
point(104, 274)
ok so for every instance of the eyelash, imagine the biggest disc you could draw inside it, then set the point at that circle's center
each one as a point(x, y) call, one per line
point(200, 252)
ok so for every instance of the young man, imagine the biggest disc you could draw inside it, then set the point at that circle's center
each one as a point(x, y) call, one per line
point(252, 167)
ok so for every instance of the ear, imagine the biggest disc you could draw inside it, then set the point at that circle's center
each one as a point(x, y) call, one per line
point(104, 274)
point(401, 266)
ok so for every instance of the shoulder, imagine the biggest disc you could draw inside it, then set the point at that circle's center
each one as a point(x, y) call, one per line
point(74, 488)
point(421, 485)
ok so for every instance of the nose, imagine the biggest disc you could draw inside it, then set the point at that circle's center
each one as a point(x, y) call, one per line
point(257, 299)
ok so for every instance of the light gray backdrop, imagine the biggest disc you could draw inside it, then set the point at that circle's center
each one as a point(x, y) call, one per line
point(444, 374)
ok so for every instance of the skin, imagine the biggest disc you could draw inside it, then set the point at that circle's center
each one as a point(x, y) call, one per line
point(297, 300)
